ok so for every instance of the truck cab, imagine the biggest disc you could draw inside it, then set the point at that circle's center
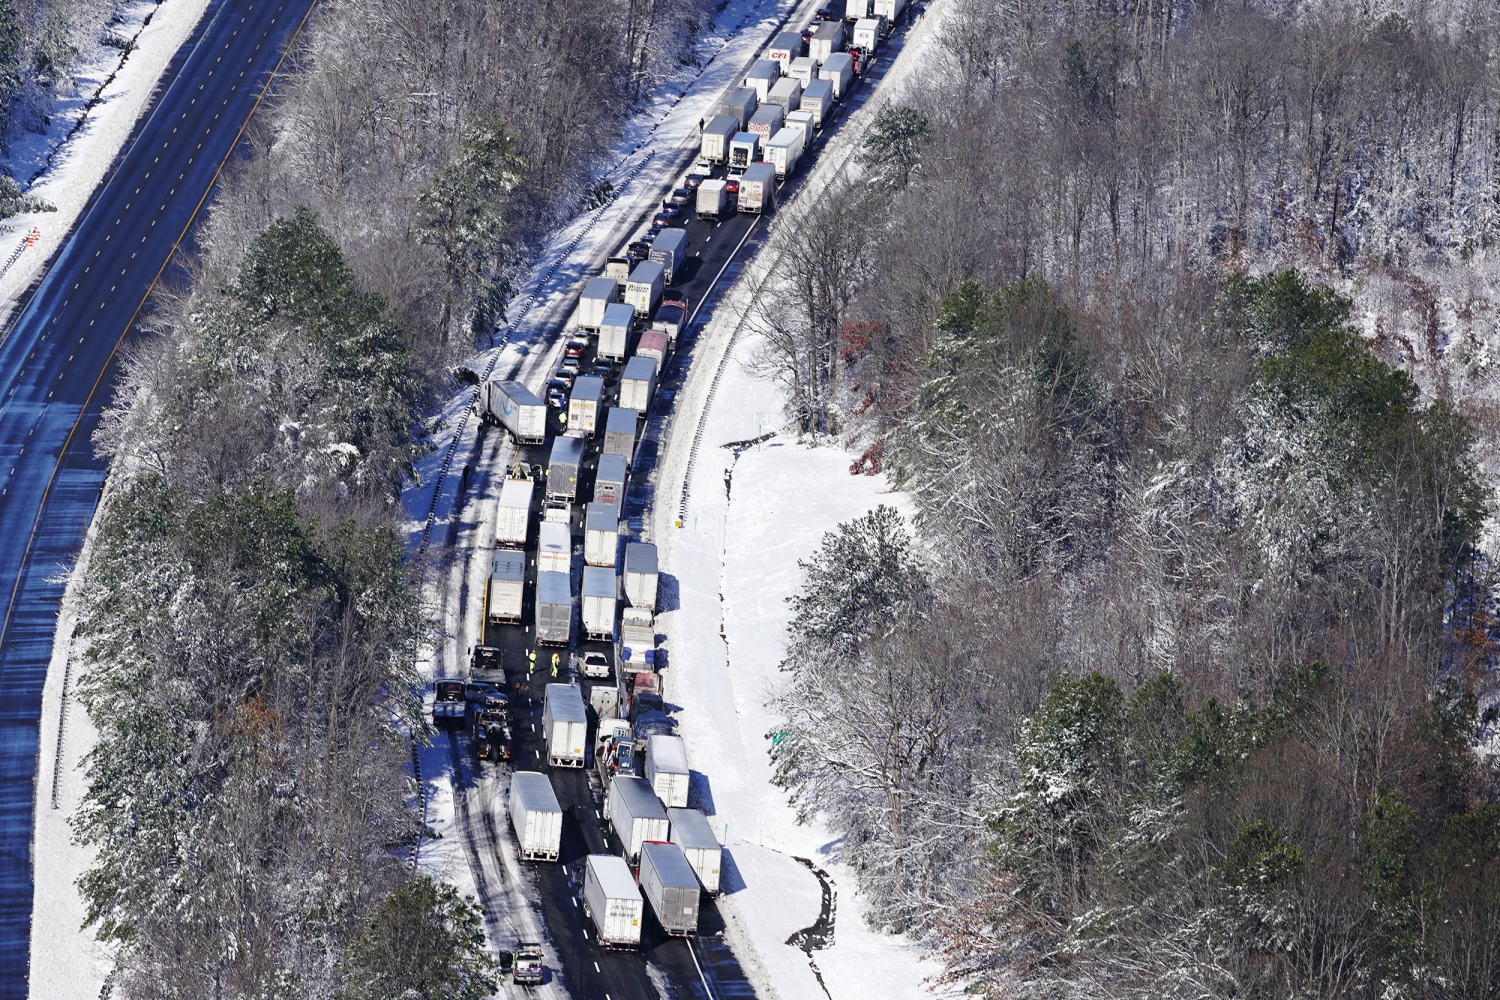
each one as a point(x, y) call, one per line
point(448, 708)
point(485, 658)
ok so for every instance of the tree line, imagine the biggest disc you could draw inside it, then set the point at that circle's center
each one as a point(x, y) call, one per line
point(1172, 687)
point(249, 618)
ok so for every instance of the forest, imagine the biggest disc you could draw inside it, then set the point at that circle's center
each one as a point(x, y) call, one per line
point(1180, 682)
point(249, 615)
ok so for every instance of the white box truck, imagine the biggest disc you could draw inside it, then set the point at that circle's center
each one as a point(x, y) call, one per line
point(609, 481)
point(891, 10)
point(786, 94)
point(827, 38)
point(601, 534)
point(691, 832)
point(766, 120)
point(613, 900)
point(784, 150)
point(535, 816)
point(614, 335)
point(640, 575)
point(757, 187)
point(513, 511)
point(785, 47)
point(838, 69)
point(806, 122)
point(635, 814)
point(667, 770)
point(817, 100)
point(554, 548)
point(738, 104)
point(599, 602)
point(619, 433)
point(597, 294)
point(516, 408)
point(565, 725)
point(867, 36)
point(671, 888)
point(669, 249)
point(638, 382)
point(585, 404)
point(643, 290)
point(635, 650)
point(554, 609)
point(711, 199)
point(761, 76)
point(743, 150)
point(717, 135)
point(506, 587)
point(804, 70)
point(654, 345)
point(563, 466)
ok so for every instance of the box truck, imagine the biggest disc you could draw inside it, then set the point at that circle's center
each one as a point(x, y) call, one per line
point(614, 334)
point(827, 39)
point(738, 104)
point(654, 345)
point(535, 816)
point(585, 404)
point(757, 187)
point(785, 47)
point(516, 408)
point(554, 548)
point(507, 584)
point(717, 135)
point(711, 199)
point(599, 603)
point(609, 481)
point(619, 433)
point(513, 509)
point(597, 294)
point(691, 832)
point(667, 770)
point(785, 94)
point(838, 69)
point(613, 901)
point(669, 249)
point(804, 122)
point(565, 725)
point(640, 574)
point(671, 888)
point(761, 76)
point(554, 609)
point(638, 382)
point(867, 35)
point(563, 466)
point(635, 650)
point(766, 120)
point(617, 269)
point(643, 290)
point(743, 150)
point(817, 100)
point(784, 150)
point(601, 534)
point(635, 814)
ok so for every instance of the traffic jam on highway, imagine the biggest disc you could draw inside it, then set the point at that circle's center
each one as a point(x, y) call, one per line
point(569, 606)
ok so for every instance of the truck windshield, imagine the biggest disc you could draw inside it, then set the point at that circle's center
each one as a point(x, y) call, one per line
point(623, 756)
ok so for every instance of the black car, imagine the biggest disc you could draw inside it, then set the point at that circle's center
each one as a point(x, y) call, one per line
point(604, 369)
point(693, 182)
point(823, 14)
point(661, 220)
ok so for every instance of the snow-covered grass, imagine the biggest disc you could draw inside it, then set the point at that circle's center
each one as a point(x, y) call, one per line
point(113, 89)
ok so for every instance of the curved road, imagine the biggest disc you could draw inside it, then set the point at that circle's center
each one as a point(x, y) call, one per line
point(57, 371)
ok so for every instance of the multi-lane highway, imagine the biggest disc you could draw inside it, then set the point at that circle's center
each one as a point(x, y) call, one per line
point(57, 370)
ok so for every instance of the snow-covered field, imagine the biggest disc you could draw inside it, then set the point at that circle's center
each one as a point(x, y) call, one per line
point(113, 89)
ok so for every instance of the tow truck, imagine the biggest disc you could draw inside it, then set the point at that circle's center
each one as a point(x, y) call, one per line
point(614, 750)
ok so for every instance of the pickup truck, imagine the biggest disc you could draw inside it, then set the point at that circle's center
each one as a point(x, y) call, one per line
point(527, 970)
point(450, 705)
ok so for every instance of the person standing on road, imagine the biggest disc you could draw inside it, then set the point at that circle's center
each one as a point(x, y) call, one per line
point(530, 663)
point(562, 418)
point(555, 662)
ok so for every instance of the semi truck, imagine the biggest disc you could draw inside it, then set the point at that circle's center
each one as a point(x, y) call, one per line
point(838, 69)
point(784, 150)
point(667, 770)
point(738, 104)
point(584, 404)
point(640, 575)
point(614, 334)
point(635, 650)
point(554, 609)
point(817, 100)
point(506, 587)
point(613, 901)
point(654, 345)
point(554, 548)
point(619, 433)
point(785, 94)
point(637, 383)
point(535, 815)
point(601, 534)
point(717, 135)
point(643, 290)
point(513, 509)
point(635, 814)
point(804, 70)
point(891, 10)
point(827, 39)
point(867, 35)
point(609, 481)
point(516, 408)
point(669, 249)
point(766, 120)
point(785, 47)
point(691, 832)
point(599, 601)
point(563, 466)
point(757, 187)
point(597, 294)
point(670, 887)
point(743, 150)
point(762, 76)
point(565, 724)
point(806, 122)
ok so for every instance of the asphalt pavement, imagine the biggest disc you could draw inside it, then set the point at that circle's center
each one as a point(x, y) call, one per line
point(58, 366)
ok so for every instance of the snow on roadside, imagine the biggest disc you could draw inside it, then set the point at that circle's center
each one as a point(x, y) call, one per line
point(79, 160)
